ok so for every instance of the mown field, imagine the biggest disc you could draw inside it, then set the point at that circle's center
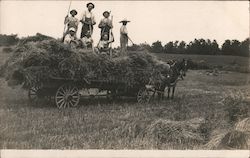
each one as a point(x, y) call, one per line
point(222, 62)
point(204, 108)
point(219, 60)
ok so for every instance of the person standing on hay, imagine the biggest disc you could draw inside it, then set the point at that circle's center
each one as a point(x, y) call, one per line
point(88, 20)
point(105, 24)
point(87, 41)
point(103, 46)
point(70, 38)
point(124, 36)
point(71, 22)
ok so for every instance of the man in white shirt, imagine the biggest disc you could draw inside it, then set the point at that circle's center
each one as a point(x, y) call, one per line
point(70, 38)
point(88, 20)
point(124, 36)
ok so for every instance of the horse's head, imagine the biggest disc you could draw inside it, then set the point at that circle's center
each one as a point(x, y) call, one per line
point(175, 72)
point(182, 67)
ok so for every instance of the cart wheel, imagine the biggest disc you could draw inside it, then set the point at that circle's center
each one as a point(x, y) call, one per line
point(144, 95)
point(38, 94)
point(67, 95)
point(32, 94)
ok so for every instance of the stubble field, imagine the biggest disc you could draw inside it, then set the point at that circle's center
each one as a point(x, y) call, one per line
point(205, 107)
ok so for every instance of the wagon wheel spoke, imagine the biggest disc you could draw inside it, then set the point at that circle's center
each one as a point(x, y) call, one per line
point(32, 94)
point(143, 96)
point(67, 96)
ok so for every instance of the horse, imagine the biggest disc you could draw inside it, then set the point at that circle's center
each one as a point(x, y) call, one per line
point(178, 69)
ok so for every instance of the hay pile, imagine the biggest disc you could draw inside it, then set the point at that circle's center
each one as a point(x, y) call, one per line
point(232, 139)
point(243, 125)
point(174, 132)
point(236, 138)
point(37, 58)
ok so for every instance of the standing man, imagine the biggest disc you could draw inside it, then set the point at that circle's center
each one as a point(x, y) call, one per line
point(105, 24)
point(88, 20)
point(124, 36)
point(71, 21)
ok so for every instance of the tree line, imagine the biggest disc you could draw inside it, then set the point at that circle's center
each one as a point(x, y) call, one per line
point(8, 40)
point(198, 46)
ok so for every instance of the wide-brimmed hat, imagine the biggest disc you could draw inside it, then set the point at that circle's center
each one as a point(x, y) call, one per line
point(90, 4)
point(72, 29)
point(105, 13)
point(124, 20)
point(73, 12)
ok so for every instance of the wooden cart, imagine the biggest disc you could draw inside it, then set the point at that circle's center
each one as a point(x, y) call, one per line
point(67, 92)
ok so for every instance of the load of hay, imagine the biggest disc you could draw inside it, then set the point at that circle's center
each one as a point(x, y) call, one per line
point(37, 58)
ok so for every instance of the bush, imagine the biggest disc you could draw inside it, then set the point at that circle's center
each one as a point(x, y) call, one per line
point(8, 40)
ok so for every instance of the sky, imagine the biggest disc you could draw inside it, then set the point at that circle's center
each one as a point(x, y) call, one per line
point(150, 20)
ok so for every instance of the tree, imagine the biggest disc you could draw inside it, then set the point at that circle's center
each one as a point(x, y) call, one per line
point(169, 47)
point(244, 48)
point(146, 46)
point(8, 40)
point(157, 47)
point(182, 47)
point(215, 48)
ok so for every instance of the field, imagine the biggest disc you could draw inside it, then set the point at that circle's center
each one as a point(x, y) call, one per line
point(222, 62)
point(202, 101)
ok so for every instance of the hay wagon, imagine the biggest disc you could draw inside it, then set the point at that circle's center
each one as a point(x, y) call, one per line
point(67, 92)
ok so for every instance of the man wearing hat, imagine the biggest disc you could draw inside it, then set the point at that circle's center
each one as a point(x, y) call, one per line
point(124, 36)
point(88, 20)
point(70, 38)
point(103, 45)
point(87, 41)
point(105, 24)
point(71, 21)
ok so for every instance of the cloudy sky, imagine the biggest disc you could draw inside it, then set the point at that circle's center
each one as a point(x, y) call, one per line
point(150, 20)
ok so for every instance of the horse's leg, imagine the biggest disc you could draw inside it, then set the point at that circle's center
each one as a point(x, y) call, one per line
point(162, 94)
point(168, 92)
point(173, 92)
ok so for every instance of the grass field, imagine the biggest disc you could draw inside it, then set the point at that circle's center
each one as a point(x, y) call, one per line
point(219, 60)
point(202, 102)
point(229, 63)
point(121, 124)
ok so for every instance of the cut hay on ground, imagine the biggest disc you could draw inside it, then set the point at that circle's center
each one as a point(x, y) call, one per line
point(174, 132)
point(40, 57)
point(243, 125)
point(228, 140)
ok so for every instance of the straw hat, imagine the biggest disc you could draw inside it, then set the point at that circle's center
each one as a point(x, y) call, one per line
point(124, 20)
point(73, 12)
point(90, 4)
point(105, 13)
